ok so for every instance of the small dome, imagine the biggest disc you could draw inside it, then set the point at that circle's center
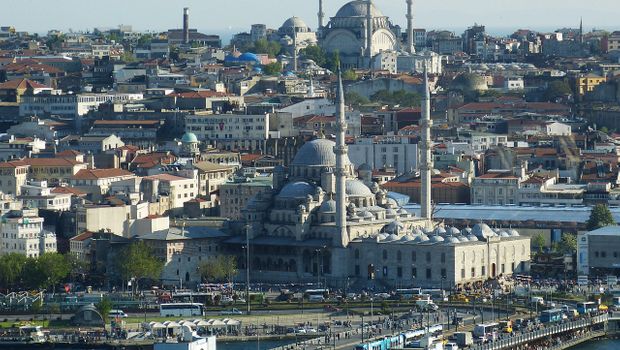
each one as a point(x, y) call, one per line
point(394, 227)
point(408, 238)
point(436, 239)
point(403, 211)
point(328, 206)
point(513, 233)
point(452, 240)
point(364, 167)
point(319, 152)
point(463, 238)
point(382, 236)
point(504, 234)
point(421, 238)
point(466, 231)
point(294, 22)
point(472, 238)
point(390, 212)
point(356, 188)
point(417, 231)
point(440, 231)
point(454, 231)
point(297, 190)
point(367, 215)
point(189, 137)
point(392, 238)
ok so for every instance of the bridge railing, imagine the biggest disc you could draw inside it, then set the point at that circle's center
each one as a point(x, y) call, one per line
point(541, 333)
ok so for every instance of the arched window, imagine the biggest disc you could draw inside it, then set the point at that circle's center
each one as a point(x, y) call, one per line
point(385, 254)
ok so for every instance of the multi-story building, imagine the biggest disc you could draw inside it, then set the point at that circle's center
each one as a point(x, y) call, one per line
point(613, 41)
point(480, 142)
point(178, 189)
point(235, 195)
point(37, 195)
point(598, 252)
point(230, 131)
point(495, 188)
point(69, 105)
point(546, 191)
point(585, 83)
point(16, 148)
point(13, 175)
point(96, 182)
point(53, 170)
point(90, 144)
point(211, 176)
point(22, 232)
point(380, 152)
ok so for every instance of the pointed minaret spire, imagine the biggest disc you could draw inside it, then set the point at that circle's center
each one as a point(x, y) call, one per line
point(410, 41)
point(425, 149)
point(581, 31)
point(341, 172)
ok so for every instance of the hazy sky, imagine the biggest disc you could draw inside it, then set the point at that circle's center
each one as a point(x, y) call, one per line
point(234, 15)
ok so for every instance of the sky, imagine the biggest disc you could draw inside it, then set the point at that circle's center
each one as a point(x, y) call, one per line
point(231, 16)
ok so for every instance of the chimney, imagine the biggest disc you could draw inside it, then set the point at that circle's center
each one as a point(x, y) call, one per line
point(186, 25)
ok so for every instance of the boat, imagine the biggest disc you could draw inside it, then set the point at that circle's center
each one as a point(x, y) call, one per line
point(187, 340)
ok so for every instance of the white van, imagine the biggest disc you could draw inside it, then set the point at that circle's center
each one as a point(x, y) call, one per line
point(117, 314)
point(537, 300)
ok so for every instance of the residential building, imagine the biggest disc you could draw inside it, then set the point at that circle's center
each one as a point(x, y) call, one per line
point(17, 148)
point(22, 232)
point(69, 105)
point(97, 182)
point(585, 83)
point(90, 144)
point(178, 189)
point(13, 175)
point(541, 191)
point(396, 152)
point(495, 188)
point(230, 131)
point(211, 176)
point(37, 195)
point(235, 194)
point(53, 170)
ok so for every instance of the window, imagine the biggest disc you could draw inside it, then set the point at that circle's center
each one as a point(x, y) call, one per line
point(484, 271)
point(385, 254)
point(357, 253)
point(414, 272)
point(399, 256)
point(443, 257)
point(503, 268)
point(603, 254)
point(473, 272)
point(596, 254)
point(443, 273)
point(357, 270)
point(462, 273)
point(428, 274)
point(399, 272)
point(385, 271)
point(413, 256)
point(428, 256)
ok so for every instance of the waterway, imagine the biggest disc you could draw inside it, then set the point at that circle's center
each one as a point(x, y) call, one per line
point(606, 344)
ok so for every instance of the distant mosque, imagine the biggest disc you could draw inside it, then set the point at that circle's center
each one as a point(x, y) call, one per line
point(359, 32)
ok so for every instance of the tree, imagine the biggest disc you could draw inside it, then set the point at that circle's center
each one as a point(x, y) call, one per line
point(263, 46)
point(568, 245)
point(401, 97)
point(138, 261)
point(600, 216)
point(272, 68)
point(333, 61)
point(104, 307)
point(46, 270)
point(355, 99)
point(349, 75)
point(220, 269)
point(11, 267)
point(315, 53)
point(539, 241)
point(557, 89)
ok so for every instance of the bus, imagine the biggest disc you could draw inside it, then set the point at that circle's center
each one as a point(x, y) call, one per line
point(485, 330)
point(316, 295)
point(551, 315)
point(408, 293)
point(181, 309)
point(586, 307)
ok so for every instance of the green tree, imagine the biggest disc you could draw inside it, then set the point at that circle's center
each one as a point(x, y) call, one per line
point(600, 216)
point(401, 98)
point(315, 53)
point(274, 68)
point(604, 130)
point(539, 241)
point(11, 267)
point(556, 89)
point(355, 99)
point(333, 61)
point(568, 245)
point(138, 261)
point(349, 74)
point(46, 271)
point(104, 307)
point(263, 46)
point(220, 269)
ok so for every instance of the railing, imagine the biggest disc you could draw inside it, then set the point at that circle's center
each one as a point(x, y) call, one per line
point(541, 333)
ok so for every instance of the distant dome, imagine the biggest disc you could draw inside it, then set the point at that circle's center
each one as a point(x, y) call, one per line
point(364, 167)
point(421, 238)
point(463, 238)
point(440, 231)
point(469, 82)
point(328, 206)
point(294, 22)
point(357, 8)
point(482, 230)
point(452, 240)
point(248, 57)
point(189, 137)
point(356, 188)
point(513, 233)
point(472, 238)
point(297, 190)
point(454, 231)
point(319, 152)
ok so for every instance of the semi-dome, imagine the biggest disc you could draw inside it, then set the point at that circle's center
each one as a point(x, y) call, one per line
point(328, 206)
point(482, 230)
point(357, 8)
point(454, 231)
point(189, 137)
point(421, 238)
point(436, 239)
point(319, 152)
point(356, 188)
point(297, 190)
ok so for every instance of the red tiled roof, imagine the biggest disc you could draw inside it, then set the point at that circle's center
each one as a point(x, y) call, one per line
point(21, 84)
point(92, 174)
point(68, 153)
point(498, 175)
point(165, 177)
point(83, 236)
point(68, 190)
point(51, 162)
point(198, 94)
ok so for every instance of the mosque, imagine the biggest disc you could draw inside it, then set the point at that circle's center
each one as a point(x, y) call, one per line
point(323, 222)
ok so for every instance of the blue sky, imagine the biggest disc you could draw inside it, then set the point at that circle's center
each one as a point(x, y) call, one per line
point(220, 16)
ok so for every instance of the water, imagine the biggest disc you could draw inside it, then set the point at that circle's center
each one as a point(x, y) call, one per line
point(264, 345)
point(606, 344)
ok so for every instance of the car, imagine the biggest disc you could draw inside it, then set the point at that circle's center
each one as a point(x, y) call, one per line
point(226, 300)
point(231, 312)
point(301, 330)
point(310, 330)
point(117, 314)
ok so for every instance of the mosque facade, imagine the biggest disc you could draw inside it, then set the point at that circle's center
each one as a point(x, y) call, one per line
point(323, 222)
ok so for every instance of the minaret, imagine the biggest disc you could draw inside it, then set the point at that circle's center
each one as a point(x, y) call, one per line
point(369, 32)
point(294, 51)
point(581, 31)
point(321, 14)
point(410, 43)
point(341, 174)
point(425, 149)
point(186, 25)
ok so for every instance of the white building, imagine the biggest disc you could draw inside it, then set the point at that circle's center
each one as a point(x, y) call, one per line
point(414, 63)
point(480, 142)
point(311, 106)
point(97, 182)
point(230, 131)
point(514, 83)
point(178, 189)
point(17, 148)
point(22, 232)
point(69, 105)
point(37, 195)
point(380, 152)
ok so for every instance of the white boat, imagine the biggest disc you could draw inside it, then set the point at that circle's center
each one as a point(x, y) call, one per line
point(187, 340)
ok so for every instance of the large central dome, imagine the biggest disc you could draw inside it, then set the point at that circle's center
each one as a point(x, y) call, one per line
point(319, 152)
point(357, 8)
